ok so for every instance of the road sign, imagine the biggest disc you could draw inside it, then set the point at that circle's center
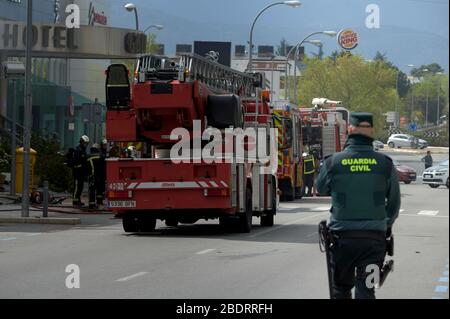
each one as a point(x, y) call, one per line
point(432, 134)
point(413, 127)
point(395, 131)
point(392, 117)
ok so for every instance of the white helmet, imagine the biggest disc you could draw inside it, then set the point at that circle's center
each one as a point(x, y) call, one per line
point(85, 139)
point(104, 142)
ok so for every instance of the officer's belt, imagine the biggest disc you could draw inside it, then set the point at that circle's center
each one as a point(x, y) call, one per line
point(360, 234)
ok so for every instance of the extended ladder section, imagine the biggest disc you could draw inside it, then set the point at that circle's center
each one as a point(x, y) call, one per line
point(329, 140)
point(192, 67)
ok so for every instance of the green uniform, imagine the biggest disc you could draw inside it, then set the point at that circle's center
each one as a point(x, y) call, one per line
point(363, 185)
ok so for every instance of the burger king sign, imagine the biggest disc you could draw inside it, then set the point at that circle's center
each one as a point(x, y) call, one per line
point(348, 39)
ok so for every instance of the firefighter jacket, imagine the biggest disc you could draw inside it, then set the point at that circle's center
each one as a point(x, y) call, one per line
point(309, 166)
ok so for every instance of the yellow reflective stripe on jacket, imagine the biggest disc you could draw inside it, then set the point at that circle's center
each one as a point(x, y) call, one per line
point(91, 161)
point(313, 169)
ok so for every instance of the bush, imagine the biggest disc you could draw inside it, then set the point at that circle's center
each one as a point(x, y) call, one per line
point(50, 164)
point(5, 159)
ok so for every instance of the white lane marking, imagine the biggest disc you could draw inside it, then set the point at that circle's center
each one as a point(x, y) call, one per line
point(203, 252)
point(286, 224)
point(415, 215)
point(139, 274)
point(428, 212)
point(32, 235)
point(313, 234)
point(321, 209)
point(8, 238)
point(401, 211)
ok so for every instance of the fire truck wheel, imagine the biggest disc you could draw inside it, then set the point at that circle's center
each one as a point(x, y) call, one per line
point(267, 220)
point(226, 223)
point(298, 193)
point(146, 224)
point(129, 223)
point(171, 222)
point(245, 219)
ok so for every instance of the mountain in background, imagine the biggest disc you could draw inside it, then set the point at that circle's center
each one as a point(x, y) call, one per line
point(412, 31)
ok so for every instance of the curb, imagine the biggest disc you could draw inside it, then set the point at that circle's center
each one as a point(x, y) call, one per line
point(38, 220)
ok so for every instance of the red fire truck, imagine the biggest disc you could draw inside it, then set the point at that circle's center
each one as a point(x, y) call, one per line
point(287, 120)
point(189, 95)
point(324, 127)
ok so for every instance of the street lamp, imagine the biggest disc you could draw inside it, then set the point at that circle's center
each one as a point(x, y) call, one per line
point(159, 27)
point(132, 7)
point(297, 48)
point(426, 107)
point(293, 4)
point(438, 98)
point(412, 93)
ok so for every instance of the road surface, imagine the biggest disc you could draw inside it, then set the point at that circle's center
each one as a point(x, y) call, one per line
point(200, 261)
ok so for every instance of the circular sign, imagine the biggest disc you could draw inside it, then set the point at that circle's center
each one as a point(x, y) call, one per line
point(348, 39)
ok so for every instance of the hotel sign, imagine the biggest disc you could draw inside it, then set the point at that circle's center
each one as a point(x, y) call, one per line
point(58, 41)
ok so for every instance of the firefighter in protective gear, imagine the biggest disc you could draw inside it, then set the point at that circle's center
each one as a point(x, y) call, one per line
point(309, 169)
point(79, 170)
point(95, 174)
point(365, 204)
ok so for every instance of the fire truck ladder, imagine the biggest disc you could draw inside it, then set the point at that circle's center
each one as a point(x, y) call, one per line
point(218, 77)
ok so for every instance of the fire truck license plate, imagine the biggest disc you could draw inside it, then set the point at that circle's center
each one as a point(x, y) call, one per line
point(122, 204)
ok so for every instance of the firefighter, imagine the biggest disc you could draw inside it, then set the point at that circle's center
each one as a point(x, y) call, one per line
point(95, 175)
point(309, 169)
point(78, 165)
point(365, 203)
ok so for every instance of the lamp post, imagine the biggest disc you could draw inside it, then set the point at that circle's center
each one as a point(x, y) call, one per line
point(159, 27)
point(293, 4)
point(28, 113)
point(297, 48)
point(438, 98)
point(426, 107)
point(132, 7)
point(412, 93)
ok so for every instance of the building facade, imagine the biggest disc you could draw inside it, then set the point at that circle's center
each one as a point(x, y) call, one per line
point(68, 94)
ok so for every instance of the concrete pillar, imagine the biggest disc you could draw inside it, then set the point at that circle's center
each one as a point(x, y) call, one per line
point(3, 90)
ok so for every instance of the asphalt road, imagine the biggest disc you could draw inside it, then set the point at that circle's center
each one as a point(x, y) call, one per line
point(200, 261)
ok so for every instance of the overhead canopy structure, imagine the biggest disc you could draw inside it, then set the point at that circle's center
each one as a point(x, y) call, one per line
point(86, 42)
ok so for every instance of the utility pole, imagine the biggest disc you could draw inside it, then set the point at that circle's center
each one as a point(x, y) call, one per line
point(27, 114)
point(12, 191)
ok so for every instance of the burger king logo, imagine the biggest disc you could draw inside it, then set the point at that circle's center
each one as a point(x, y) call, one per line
point(348, 39)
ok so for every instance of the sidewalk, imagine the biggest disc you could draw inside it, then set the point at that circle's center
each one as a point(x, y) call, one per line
point(433, 150)
point(12, 214)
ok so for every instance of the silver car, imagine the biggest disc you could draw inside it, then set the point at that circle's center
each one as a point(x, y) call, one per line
point(437, 175)
point(406, 141)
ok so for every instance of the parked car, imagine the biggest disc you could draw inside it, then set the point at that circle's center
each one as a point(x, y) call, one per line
point(377, 145)
point(406, 141)
point(405, 173)
point(437, 175)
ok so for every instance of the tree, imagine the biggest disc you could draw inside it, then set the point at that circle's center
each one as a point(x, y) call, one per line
point(432, 68)
point(361, 86)
point(402, 82)
point(282, 48)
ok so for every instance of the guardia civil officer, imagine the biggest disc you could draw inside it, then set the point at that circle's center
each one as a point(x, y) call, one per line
point(365, 203)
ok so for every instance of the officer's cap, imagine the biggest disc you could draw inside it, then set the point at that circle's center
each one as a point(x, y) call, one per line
point(357, 118)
